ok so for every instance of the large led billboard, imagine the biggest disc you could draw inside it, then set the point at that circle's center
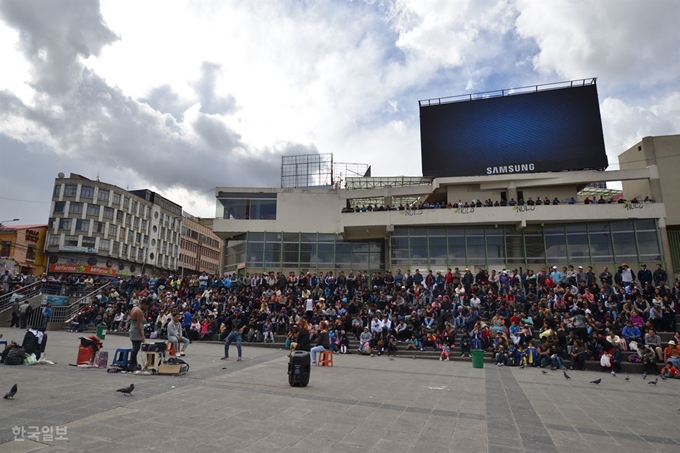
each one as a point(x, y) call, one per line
point(545, 130)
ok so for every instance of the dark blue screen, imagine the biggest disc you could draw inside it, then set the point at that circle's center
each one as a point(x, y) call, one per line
point(550, 130)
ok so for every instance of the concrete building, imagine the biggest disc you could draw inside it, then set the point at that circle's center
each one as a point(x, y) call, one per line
point(21, 249)
point(98, 228)
point(662, 153)
point(306, 229)
point(200, 248)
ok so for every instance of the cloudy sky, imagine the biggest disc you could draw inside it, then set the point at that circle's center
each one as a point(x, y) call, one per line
point(183, 96)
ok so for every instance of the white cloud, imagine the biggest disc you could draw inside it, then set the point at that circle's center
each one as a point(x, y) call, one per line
point(182, 96)
point(622, 41)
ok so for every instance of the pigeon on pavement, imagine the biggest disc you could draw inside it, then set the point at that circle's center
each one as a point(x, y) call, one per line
point(127, 390)
point(663, 378)
point(10, 395)
point(544, 372)
point(627, 379)
point(654, 382)
point(566, 376)
point(596, 381)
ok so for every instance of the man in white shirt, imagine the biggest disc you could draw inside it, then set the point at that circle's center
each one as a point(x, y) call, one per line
point(175, 334)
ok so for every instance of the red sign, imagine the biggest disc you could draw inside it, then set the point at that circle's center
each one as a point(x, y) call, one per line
point(32, 236)
point(79, 269)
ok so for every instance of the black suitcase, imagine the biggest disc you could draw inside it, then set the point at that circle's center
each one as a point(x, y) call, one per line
point(299, 367)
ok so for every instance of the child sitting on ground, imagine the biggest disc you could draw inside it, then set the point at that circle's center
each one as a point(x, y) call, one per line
point(446, 352)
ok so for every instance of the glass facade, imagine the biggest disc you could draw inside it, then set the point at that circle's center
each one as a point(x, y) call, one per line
point(246, 206)
point(632, 241)
point(302, 251)
point(426, 247)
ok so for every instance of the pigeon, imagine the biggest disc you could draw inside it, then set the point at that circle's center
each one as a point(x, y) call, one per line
point(566, 376)
point(10, 395)
point(127, 390)
point(644, 375)
point(521, 367)
point(391, 358)
point(654, 382)
point(544, 372)
point(596, 381)
point(627, 379)
point(663, 378)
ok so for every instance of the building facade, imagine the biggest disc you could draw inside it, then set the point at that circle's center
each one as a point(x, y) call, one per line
point(98, 228)
point(200, 248)
point(327, 229)
point(22, 249)
point(663, 154)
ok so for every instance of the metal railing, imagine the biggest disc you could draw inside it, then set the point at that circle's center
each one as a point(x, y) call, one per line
point(62, 313)
point(25, 292)
point(67, 313)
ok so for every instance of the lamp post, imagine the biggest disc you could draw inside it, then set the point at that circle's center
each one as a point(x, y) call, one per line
point(2, 222)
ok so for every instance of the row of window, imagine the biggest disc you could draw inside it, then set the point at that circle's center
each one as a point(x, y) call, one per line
point(186, 260)
point(88, 192)
point(192, 247)
point(579, 243)
point(94, 210)
point(6, 251)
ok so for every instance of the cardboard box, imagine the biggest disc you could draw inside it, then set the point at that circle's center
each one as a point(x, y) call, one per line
point(172, 369)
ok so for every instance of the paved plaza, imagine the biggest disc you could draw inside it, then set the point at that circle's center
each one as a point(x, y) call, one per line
point(362, 404)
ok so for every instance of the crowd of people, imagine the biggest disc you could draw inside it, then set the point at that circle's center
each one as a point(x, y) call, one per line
point(576, 314)
point(545, 201)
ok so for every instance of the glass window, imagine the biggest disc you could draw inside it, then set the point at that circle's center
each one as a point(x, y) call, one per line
point(92, 209)
point(647, 243)
point(116, 198)
point(495, 249)
point(98, 227)
point(88, 241)
point(75, 208)
point(124, 249)
point(119, 216)
point(417, 231)
point(456, 250)
point(116, 247)
point(65, 224)
point(624, 246)
point(108, 213)
point(578, 248)
point(30, 253)
point(535, 248)
point(135, 222)
point(259, 237)
point(476, 249)
point(59, 206)
point(113, 229)
point(437, 249)
point(82, 225)
point(514, 248)
point(128, 219)
point(86, 192)
point(71, 241)
point(400, 231)
point(53, 239)
point(130, 236)
point(555, 245)
point(645, 225)
point(133, 207)
point(70, 190)
point(103, 195)
point(57, 190)
point(575, 228)
point(272, 237)
point(624, 225)
point(263, 209)
point(601, 247)
point(126, 202)
point(436, 231)
point(307, 252)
